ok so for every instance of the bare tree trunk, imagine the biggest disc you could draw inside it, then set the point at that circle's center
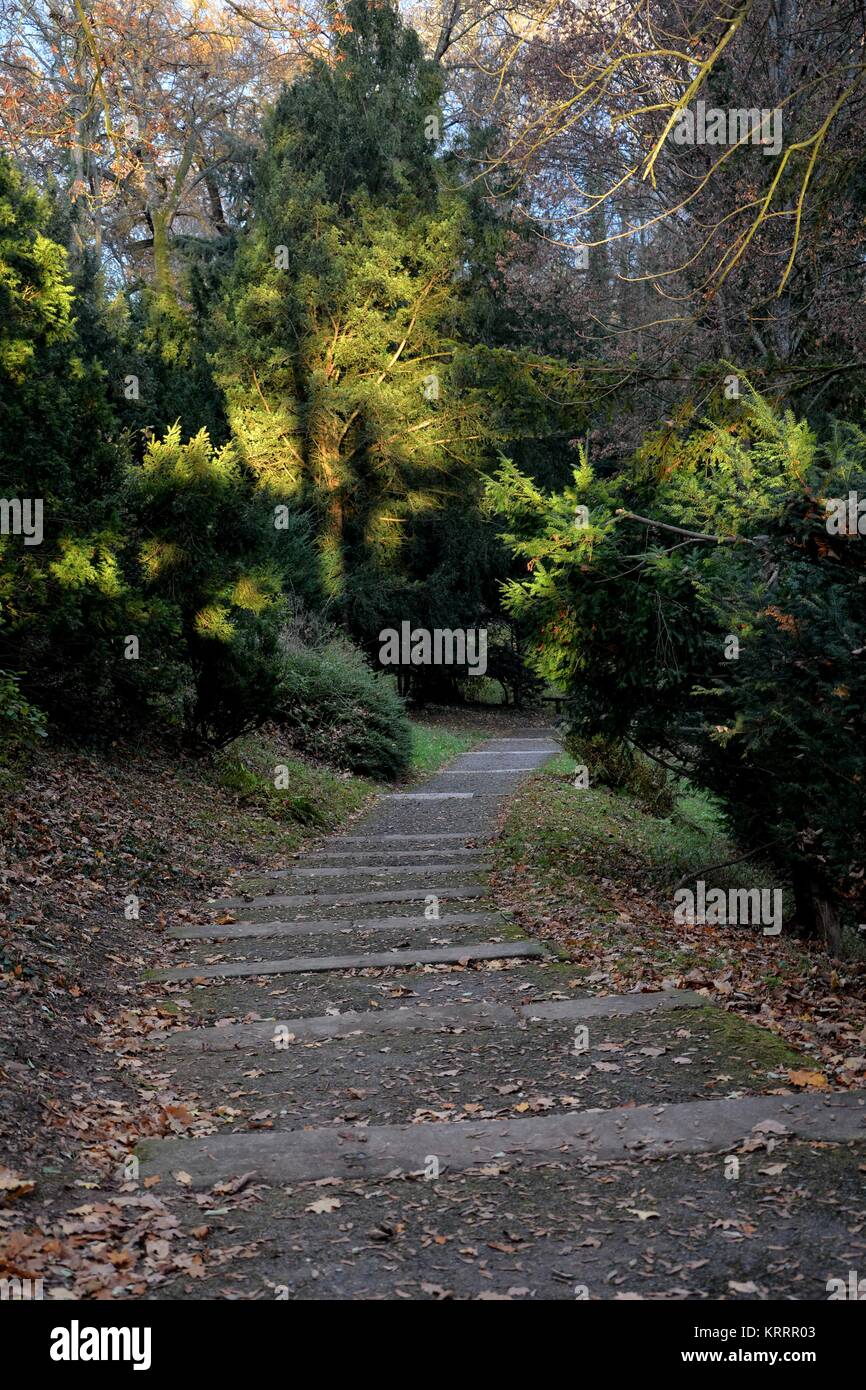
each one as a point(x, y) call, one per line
point(815, 914)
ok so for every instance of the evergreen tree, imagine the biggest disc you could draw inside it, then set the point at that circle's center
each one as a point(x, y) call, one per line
point(214, 565)
point(701, 607)
point(61, 452)
point(345, 386)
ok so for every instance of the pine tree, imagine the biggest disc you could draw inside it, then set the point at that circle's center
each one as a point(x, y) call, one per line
point(60, 449)
point(700, 607)
point(342, 327)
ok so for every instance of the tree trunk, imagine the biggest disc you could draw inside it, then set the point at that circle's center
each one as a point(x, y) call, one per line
point(815, 914)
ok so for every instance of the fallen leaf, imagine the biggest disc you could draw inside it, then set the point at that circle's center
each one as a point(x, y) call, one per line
point(323, 1205)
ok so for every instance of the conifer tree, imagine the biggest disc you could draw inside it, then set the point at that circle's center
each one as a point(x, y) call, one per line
point(60, 451)
point(342, 325)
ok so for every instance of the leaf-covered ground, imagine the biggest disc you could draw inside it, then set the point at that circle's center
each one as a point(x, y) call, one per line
point(587, 870)
point(101, 850)
point(591, 871)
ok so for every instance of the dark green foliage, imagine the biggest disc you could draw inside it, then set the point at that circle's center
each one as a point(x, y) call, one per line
point(20, 723)
point(164, 341)
point(343, 350)
point(640, 623)
point(358, 120)
point(508, 660)
point(617, 765)
point(214, 570)
point(61, 602)
point(335, 708)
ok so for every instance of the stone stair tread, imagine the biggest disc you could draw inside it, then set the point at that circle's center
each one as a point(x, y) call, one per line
point(421, 1017)
point(590, 1137)
point(385, 895)
point(384, 870)
point(304, 926)
point(374, 960)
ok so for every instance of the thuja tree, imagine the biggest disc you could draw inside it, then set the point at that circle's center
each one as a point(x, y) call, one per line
point(215, 564)
point(63, 456)
point(342, 361)
point(709, 607)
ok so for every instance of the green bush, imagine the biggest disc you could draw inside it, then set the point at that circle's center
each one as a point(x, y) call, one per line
point(614, 764)
point(61, 597)
point(213, 570)
point(336, 709)
point(257, 788)
point(733, 648)
point(21, 723)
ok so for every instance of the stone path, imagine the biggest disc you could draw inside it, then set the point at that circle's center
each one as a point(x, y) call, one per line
point(403, 1075)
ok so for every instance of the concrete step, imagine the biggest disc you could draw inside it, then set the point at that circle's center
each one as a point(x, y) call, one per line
point(406, 1073)
point(383, 895)
point(500, 982)
point(384, 960)
point(455, 857)
point(428, 796)
point(396, 838)
point(317, 926)
point(419, 934)
point(484, 771)
point(586, 1137)
point(424, 1018)
point(379, 870)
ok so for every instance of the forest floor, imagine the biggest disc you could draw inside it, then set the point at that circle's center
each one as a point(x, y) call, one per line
point(99, 849)
point(457, 1136)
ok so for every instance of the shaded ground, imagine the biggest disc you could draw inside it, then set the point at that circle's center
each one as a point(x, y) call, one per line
point(592, 873)
point(84, 834)
point(531, 1070)
point(671, 1229)
point(775, 1219)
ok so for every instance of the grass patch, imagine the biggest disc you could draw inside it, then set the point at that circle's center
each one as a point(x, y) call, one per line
point(434, 745)
point(282, 797)
point(603, 828)
point(594, 873)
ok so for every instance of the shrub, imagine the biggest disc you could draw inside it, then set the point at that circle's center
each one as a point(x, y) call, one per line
point(21, 723)
point(336, 709)
point(214, 569)
point(60, 450)
point(733, 648)
point(613, 763)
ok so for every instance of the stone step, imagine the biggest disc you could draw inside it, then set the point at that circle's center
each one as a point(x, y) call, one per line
point(516, 1067)
point(424, 1018)
point(312, 926)
point(527, 740)
point(393, 838)
point(384, 960)
point(588, 1137)
point(383, 895)
point(509, 982)
point(420, 934)
point(346, 880)
point(394, 856)
point(472, 815)
point(428, 796)
point(343, 1025)
point(331, 871)
point(483, 771)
